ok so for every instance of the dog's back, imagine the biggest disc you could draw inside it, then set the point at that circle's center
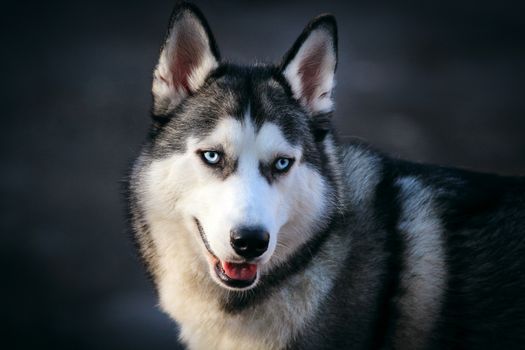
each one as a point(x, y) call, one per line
point(448, 248)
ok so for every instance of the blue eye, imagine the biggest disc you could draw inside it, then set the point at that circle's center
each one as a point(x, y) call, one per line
point(282, 165)
point(211, 157)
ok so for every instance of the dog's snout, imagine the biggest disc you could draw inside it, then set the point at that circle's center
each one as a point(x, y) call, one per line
point(249, 242)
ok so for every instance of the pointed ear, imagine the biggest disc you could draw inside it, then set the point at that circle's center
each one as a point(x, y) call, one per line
point(309, 67)
point(188, 55)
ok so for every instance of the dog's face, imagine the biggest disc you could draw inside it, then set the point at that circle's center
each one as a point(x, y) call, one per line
point(238, 154)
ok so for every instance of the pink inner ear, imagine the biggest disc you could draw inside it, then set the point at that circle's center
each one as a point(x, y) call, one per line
point(310, 71)
point(187, 56)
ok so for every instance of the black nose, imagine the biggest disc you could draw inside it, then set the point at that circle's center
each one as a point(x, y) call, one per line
point(249, 242)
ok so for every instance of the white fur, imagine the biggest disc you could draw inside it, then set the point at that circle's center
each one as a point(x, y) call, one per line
point(181, 187)
point(319, 38)
point(189, 295)
point(424, 279)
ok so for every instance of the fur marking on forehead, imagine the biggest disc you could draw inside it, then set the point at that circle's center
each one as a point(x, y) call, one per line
point(238, 136)
point(268, 98)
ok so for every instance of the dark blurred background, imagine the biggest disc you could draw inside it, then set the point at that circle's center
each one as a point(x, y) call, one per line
point(438, 82)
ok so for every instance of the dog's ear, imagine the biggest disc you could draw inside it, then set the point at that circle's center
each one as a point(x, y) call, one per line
point(309, 66)
point(187, 57)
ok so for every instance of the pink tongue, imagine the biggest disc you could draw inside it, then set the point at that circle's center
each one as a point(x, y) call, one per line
point(244, 272)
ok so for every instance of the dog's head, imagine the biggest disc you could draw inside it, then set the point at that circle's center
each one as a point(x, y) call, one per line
point(242, 156)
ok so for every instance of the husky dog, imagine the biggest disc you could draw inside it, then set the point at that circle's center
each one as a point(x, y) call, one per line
point(261, 231)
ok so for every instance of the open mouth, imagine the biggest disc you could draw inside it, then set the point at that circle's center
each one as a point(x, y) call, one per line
point(231, 274)
point(236, 275)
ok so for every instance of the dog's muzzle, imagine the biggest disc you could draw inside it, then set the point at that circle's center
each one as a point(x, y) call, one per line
point(248, 243)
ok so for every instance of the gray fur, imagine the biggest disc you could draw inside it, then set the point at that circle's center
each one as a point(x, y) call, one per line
point(404, 255)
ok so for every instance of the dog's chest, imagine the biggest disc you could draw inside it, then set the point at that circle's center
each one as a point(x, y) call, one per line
point(271, 324)
point(191, 298)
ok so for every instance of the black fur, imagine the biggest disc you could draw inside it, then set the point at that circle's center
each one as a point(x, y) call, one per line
point(481, 217)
